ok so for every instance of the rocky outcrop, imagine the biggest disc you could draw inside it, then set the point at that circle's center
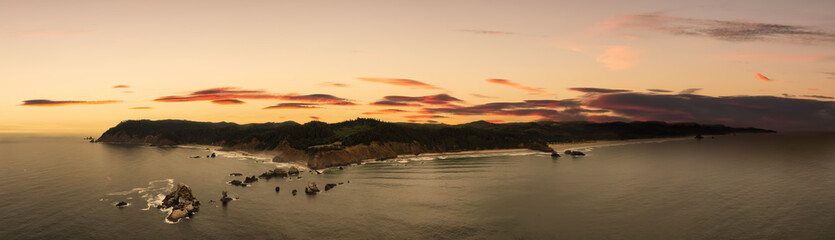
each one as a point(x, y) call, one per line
point(293, 170)
point(311, 188)
point(182, 202)
point(329, 186)
point(250, 179)
point(225, 198)
point(574, 153)
point(277, 172)
point(358, 153)
point(124, 137)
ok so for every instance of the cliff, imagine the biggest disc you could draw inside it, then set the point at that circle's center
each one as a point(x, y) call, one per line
point(322, 145)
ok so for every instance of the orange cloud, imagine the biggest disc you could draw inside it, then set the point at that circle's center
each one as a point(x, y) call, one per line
point(813, 89)
point(516, 85)
point(618, 57)
point(439, 99)
point(424, 116)
point(314, 118)
point(121, 86)
point(400, 82)
point(228, 101)
point(763, 78)
point(385, 111)
point(141, 108)
point(51, 103)
point(333, 84)
point(224, 93)
point(495, 121)
point(292, 106)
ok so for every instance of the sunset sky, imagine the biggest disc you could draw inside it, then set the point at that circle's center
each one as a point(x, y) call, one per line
point(80, 67)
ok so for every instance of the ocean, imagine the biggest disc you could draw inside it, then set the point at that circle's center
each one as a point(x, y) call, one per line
point(757, 186)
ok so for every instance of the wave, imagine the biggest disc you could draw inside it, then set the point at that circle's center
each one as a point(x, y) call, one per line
point(153, 194)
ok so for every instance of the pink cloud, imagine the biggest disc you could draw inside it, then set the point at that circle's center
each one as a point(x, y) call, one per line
point(515, 85)
point(400, 82)
point(618, 57)
point(763, 78)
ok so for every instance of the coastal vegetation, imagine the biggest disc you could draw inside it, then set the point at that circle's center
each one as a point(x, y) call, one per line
point(322, 145)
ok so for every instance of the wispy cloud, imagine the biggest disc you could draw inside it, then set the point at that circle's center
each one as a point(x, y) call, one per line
point(516, 85)
point(424, 116)
point(757, 111)
point(228, 101)
point(53, 33)
point(385, 111)
point(52, 103)
point(439, 99)
point(293, 106)
point(333, 84)
point(598, 90)
point(386, 103)
point(659, 90)
point(121, 86)
point(235, 93)
point(618, 57)
point(481, 96)
point(689, 91)
point(400, 82)
point(314, 118)
point(486, 32)
point(722, 30)
point(762, 78)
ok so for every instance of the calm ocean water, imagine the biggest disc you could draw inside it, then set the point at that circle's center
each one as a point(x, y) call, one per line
point(770, 186)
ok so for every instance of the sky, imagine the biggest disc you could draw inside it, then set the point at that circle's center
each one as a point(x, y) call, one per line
point(80, 67)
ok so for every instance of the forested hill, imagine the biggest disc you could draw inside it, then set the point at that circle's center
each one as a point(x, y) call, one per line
point(322, 145)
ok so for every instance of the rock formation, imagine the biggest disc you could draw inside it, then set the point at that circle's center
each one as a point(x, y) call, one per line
point(225, 198)
point(311, 188)
point(293, 170)
point(277, 172)
point(329, 186)
point(182, 202)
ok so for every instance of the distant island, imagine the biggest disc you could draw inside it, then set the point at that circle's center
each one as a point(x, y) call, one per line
point(321, 145)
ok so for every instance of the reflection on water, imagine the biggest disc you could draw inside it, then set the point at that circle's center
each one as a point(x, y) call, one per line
point(733, 187)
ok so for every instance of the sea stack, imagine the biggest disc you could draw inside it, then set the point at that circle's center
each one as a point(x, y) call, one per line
point(182, 202)
point(224, 199)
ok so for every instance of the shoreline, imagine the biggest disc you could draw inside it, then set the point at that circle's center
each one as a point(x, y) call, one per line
point(266, 157)
point(559, 147)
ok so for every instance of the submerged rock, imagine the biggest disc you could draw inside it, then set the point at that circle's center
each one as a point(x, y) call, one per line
point(122, 204)
point(236, 174)
point(555, 154)
point(294, 192)
point(311, 188)
point(577, 153)
point(329, 186)
point(213, 155)
point(277, 189)
point(182, 202)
